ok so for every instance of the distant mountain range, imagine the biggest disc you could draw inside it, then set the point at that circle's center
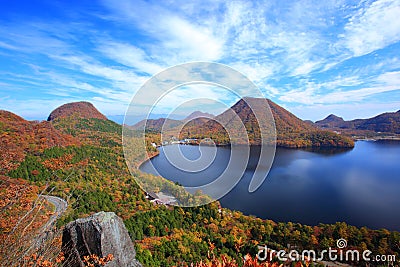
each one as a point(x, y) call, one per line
point(386, 123)
point(167, 124)
point(290, 130)
point(133, 119)
point(78, 154)
point(198, 114)
point(156, 125)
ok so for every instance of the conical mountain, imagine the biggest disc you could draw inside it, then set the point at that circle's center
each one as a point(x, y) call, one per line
point(255, 114)
point(81, 109)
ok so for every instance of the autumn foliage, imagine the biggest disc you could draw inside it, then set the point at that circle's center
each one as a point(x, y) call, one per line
point(80, 109)
point(19, 137)
point(91, 260)
point(22, 216)
point(92, 175)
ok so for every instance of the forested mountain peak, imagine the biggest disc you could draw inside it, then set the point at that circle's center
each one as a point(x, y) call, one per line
point(198, 114)
point(332, 117)
point(81, 109)
point(290, 130)
point(9, 116)
point(388, 122)
point(19, 137)
point(157, 124)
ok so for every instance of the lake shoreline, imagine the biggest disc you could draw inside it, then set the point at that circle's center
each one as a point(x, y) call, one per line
point(336, 176)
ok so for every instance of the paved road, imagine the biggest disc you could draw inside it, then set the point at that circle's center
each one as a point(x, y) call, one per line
point(46, 233)
point(59, 204)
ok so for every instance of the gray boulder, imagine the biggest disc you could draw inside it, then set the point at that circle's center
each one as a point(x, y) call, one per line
point(101, 234)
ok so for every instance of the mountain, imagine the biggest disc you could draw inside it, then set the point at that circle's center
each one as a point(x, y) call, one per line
point(388, 122)
point(83, 121)
point(19, 137)
point(133, 119)
point(310, 122)
point(198, 114)
point(81, 109)
point(94, 177)
point(157, 125)
point(290, 130)
point(331, 121)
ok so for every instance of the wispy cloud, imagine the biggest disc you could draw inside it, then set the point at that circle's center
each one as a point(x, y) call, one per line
point(304, 53)
point(130, 56)
point(313, 93)
point(372, 27)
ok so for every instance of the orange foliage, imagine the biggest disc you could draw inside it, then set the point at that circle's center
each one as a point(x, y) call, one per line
point(22, 215)
point(59, 163)
point(89, 261)
point(40, 261)
point(224, 261)
point(94, 260)
point(19, 136)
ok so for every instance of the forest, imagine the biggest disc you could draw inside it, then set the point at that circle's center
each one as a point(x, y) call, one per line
point(93, 176)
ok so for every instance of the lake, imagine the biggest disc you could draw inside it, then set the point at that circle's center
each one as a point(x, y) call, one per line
point(360, 186)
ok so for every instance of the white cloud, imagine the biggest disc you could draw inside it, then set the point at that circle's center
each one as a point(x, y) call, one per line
point(305, 68)
point(283, 47)
point(178, 38)
point(391, 78)
point(194, 95)
point(373, 27)
point(190, 41)
point(254, 71)
point(348, 111)
point(95, 68)
point(303, 96)
point(386, 82)
point(130, 56)
point(7, 46)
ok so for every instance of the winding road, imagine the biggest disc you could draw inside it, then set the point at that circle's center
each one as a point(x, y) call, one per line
point(59, 204)
point(46, 231)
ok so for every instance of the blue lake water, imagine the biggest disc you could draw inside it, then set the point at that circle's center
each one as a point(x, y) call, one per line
point(360, 186)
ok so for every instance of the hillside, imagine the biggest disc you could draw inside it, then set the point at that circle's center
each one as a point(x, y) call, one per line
point(83, 121)
point(20, 137)
point(19, 207)
point(290, 130)
point(94, 177)
point(198, 114)
point(388, 122)
point(332, 121)
point(83, 110)
point(156, 125)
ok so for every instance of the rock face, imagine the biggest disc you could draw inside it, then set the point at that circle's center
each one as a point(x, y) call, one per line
point(81, 109)
point(101, 234)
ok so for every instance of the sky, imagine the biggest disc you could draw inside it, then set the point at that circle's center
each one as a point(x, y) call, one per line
point(312, 57)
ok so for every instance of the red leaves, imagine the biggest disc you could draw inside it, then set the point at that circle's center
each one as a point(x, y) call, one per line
point(19, 136)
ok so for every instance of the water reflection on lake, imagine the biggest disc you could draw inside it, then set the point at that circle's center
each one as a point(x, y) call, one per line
point(359, 186)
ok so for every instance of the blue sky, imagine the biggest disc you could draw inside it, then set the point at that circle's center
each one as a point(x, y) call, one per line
point(312, 57)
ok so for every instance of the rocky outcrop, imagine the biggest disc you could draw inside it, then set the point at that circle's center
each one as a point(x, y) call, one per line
point(81, 109)
point(101, 234)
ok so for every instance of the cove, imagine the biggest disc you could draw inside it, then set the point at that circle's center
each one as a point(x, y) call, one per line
point(309, 186)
